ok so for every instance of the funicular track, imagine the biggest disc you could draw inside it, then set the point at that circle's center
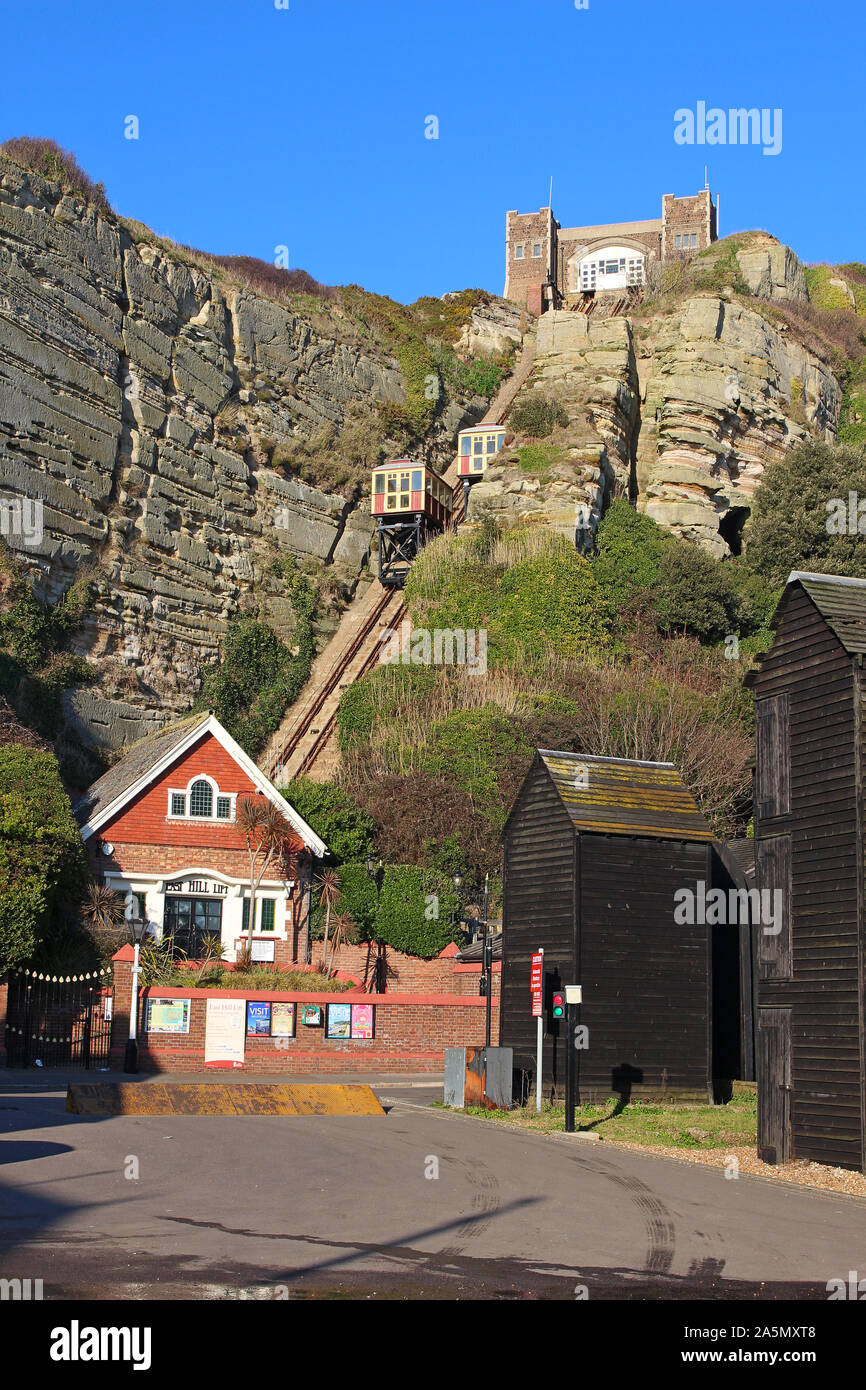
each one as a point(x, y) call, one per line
point(305, 741)
point(303, 738)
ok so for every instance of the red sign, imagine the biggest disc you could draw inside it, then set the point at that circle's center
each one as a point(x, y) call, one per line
point(536, 982)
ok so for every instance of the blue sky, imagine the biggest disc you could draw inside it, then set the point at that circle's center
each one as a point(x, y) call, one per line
point(305, 126)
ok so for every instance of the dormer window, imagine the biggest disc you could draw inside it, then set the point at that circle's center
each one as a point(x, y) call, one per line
point(201, 800)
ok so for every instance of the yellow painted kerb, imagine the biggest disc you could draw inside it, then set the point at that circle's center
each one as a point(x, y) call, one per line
point(157, 1098)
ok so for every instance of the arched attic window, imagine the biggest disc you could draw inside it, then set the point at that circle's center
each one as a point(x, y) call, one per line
point(201, 799)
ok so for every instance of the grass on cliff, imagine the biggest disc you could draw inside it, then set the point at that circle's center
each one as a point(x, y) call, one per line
point(574, 661)
point(421, 336)
point(50, 161)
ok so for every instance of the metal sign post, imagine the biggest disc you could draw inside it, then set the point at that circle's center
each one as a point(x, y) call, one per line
point(536, 981)
point(573, 996)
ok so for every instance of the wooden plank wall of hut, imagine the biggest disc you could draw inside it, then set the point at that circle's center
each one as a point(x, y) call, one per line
point(824, 992)
point(538, 909)
point(646, 980)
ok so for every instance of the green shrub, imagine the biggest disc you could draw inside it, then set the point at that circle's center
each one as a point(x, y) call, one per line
point(43, 864)
point(694, 593)
point(258, 677)
point(376, 697)
point(551, 600)
point(334, 816)
point(415, 910)
point(629, 548)
point(35, 667)
point(537, 415)
point(788, 527)
point(530, 590)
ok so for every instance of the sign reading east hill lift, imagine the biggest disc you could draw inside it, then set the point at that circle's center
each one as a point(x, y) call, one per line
point(536, 983)
point(225, 1032)
point(198, 886)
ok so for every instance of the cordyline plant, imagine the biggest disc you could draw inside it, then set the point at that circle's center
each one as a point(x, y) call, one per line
point(267, 834)
point(330, 893)
point(345, 932)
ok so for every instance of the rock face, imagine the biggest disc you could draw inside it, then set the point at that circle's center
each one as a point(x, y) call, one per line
point(492, 327)
point(771, 270)
point(682, 410)
point(123, 376)
point(723, 392)
point(588, 365)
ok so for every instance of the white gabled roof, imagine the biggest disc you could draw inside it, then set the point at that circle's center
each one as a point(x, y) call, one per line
point(108, 796)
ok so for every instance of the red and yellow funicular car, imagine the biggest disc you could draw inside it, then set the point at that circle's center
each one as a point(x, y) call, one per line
point(410, 502)
point(477, 446)
point(402, 487)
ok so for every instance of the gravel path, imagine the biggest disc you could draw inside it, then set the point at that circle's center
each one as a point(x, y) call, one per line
point(797, 1171)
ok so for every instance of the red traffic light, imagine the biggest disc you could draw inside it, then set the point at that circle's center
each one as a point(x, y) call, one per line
point(559, 1006)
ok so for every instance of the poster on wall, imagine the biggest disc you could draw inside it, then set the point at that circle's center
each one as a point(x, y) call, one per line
point(262, 950)
point(362, 1020)
point(282, 1020)
point(224, 1033)
point(311, 1015)
point(258, 1019)
point(168, 1015)
point(339, 1021)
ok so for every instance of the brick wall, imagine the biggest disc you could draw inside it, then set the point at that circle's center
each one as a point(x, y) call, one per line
point(680, 215)
point(4, 994)
point(410, 974)
point(411, 1031)
point(524, 278)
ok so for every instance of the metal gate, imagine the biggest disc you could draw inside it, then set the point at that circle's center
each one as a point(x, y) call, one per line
point(58, 1020)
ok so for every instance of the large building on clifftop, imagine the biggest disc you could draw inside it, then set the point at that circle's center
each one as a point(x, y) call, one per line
point(545, 263)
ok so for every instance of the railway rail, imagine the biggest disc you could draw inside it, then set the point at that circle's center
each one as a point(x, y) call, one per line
point(306, 739)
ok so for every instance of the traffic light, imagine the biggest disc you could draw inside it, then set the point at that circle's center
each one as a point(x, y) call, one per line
point(558, 1008)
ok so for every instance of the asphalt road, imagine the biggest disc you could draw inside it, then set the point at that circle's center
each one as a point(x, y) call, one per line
point(327, 1207)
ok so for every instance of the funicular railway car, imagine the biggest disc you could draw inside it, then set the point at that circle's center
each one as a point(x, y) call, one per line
point(410, 502)
point(476, 447)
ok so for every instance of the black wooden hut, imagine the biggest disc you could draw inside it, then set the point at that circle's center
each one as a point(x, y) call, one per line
point(809, 810)
point(595, 851)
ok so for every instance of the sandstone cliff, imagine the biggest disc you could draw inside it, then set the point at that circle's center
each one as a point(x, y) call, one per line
point(142, 397)
point(682, 405)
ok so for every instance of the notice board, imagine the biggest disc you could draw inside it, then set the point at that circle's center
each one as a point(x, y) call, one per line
point(225, 1032)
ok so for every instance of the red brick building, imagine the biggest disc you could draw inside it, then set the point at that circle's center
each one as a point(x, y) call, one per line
point(161, 824)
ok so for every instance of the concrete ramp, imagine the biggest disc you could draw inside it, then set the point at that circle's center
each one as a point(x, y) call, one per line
point(158, 1098)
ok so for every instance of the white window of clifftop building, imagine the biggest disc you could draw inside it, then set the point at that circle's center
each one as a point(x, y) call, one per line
point(611, 268)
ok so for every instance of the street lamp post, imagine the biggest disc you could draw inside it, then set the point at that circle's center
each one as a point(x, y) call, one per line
point(138, 928)
point(374, 872)
point(487, 967)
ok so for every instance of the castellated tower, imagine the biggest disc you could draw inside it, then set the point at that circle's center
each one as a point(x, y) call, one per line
point(546, 264)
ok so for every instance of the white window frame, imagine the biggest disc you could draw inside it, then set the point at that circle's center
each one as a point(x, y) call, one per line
point(536, 254)
point(518, 252)
point(213, 818)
